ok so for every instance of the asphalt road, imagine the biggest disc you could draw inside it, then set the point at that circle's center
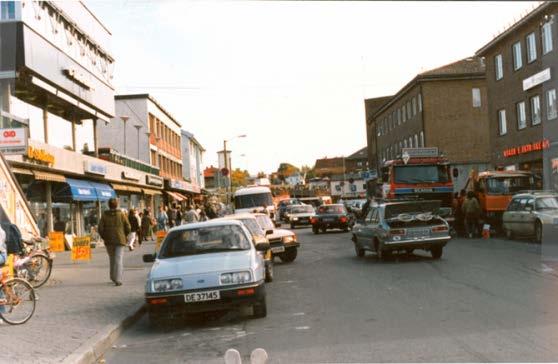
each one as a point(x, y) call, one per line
point(485, 300)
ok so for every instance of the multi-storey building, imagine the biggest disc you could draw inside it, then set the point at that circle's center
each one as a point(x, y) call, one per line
point(446, 108)
point(521, 65)
point(192, 161)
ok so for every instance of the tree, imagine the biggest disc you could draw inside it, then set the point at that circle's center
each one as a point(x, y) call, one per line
point(239, 177)
point(262, 175)
point(309, 171)
point(285, 170)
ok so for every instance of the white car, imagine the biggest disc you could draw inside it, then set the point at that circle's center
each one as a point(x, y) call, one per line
point(284, 243)
point(206, 266)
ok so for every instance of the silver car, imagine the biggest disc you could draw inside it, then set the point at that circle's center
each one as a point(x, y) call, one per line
point(528, 214)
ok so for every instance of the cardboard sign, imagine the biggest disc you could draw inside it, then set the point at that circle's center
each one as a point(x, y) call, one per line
point(56, 241)
point(161, 234)
point(81, 249)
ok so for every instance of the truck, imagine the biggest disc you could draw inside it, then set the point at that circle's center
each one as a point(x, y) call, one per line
point(494, 191)
point(419, 173)
point(254, 199)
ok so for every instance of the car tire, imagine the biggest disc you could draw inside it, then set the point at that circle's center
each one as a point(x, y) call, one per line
point(538, 232)
point(260, 309)
point(289, 255)
point(509, 234)
point(269, 272)
point(315, 230)
point(358, 250)
point(324, 230)
point(437, 252)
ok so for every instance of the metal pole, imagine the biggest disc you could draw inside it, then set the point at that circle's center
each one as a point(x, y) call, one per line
point(226, 167)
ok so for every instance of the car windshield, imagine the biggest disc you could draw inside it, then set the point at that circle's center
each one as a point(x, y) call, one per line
point(205, 240)
point(421, 174)
point(546, 203)
point(508, 185)
point(253, 227)
point(302, 210)
point(265, 222)
point(253, 200)
point(331, 209)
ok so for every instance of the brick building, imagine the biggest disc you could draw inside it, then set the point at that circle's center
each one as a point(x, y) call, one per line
point(521, 81)
point(445, 107)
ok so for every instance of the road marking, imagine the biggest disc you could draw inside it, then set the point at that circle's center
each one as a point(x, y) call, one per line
point(302, 328)
point(286, 282)
point(546, 269)
point(298, 314)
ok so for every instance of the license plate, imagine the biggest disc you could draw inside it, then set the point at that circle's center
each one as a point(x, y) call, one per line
point(201, 296)
point(278, 249)
point(418, 233)
point(329, 219)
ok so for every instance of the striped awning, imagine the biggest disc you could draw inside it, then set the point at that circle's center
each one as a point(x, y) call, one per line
point(175, 195)
point(21, 171)
point(47, 176)
point(149, 191)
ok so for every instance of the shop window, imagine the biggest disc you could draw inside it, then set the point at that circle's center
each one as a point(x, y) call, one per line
point(498, 67)
point(502, 123)
point(546, 34)
point(517, 56)
point(551, 111)
point(535, 110)
point(531, 47)
point(521, 116)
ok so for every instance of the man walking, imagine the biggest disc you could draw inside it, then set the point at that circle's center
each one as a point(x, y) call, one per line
point(190, 215)
point(471, 212)
point(114, 227)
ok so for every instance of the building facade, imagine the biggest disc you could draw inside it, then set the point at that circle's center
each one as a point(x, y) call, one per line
point(521, 65)
point(56, 88)
point(192, 161)
point(446, 108)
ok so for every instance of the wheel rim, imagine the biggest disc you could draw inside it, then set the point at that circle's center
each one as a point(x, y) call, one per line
point(20, 302)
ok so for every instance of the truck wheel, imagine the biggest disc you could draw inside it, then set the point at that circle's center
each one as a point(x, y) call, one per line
point(260, 309)
point(315, 230)
point(358, 250)
point(437, 252)
point(289, 255)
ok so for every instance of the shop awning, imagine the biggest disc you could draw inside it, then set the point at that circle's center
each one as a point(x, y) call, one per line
point(177, 196)
point(21, 171)
point(79, 190)
point(47, 176)
point(148, 191)
point(104, 191)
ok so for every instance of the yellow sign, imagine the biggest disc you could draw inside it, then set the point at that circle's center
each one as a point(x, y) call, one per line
point(40, 155)
point(161, 234)
point(56, 241)
point(81, 248)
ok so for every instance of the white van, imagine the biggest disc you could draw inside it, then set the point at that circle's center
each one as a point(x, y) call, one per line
point(248, 199)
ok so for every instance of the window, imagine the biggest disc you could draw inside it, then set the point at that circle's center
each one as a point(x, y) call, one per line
point(502, 124)
point(531, 47)
point(420, 102)
point(422, 139)
point(409, 110)
point(476, 97)
point(546, 33)
point(404, 114)
point(535, 110)
point(405, 143)
point(517, 56)
point(7, 10)
point(416, 141)
point(398, 116)
point(414, 103)
point(410, 142)
point(498, 67)
point(521, 117)
point(551, 111)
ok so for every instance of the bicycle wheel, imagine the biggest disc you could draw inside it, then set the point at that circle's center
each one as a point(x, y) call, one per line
point(38, 269)
point(19, 301)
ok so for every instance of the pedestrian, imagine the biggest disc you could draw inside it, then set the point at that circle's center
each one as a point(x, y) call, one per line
point(3, 258)
point(210, 211)
point(114, 227)
point(190, 215)
point(471, 212)
point(178, 218)
point(135, 226)
point(146, 225)
point(162, 219)
point(140, 230)
point(171, 214)
point(203, 216)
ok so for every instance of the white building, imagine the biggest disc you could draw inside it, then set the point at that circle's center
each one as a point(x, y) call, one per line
point(192, 160)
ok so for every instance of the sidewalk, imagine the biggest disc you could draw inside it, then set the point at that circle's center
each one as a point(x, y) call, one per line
point(77, 303)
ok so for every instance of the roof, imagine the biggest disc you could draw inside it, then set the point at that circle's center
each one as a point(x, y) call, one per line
point(329, 162)
point(210, 223)
point(539, 10)
point(192, 138)
point(210, 171)
point(372, 105)
point(150, 98)
point(359, 154)
point(251, 190)
point(467, 68)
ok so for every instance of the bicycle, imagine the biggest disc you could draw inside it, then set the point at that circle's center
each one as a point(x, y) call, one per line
point(35, 264)
point(17, 305)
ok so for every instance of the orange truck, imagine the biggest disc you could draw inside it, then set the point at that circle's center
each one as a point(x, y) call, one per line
point(494, 190)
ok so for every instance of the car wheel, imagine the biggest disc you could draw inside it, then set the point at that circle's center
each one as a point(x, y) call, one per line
point(509, 234)
point(260, 309)
point(315, 230)
point(346, 229)
point(437, 252)
point(269, 272)
point(358, 250)
point(538, 232)
point(324, 230)
point(289, 255)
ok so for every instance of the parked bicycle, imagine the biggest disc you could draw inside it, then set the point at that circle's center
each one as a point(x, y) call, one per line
point(17, 299)
point(35, 263)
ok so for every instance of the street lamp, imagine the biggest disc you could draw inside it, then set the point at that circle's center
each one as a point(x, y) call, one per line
point(138, 127)
point(124, 120)
point(227, 160)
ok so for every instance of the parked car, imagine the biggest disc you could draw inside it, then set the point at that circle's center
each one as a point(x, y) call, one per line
point(300, 215)
point(258, 236)
point(282, 207)
point(529, 214)
point(401, 227)
point(284, 243)
point(334, 216)
point(206, 266)
point(356, 206)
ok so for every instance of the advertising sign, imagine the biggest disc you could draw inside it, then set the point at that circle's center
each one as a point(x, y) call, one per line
point(13, 141)
point(56, 241)
point(81, 248)
point(94, 168)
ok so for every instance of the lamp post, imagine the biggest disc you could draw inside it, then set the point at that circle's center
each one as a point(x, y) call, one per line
point(125, 120)
point(138, 127)
point(227, 162)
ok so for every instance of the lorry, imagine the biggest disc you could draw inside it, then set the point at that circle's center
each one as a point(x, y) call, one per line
point(494, 191)
point(254, 199)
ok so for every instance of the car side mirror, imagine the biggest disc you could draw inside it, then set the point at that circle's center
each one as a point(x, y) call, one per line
point(262, 247)
point(149, 258)
point(269, 232)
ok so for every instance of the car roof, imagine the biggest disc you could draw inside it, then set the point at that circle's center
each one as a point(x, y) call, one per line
point(203, 224)
point(252, 190)
point(243, 215)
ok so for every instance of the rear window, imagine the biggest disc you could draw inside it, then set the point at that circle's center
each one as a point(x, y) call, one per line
point(331, 209)
point(302, 209)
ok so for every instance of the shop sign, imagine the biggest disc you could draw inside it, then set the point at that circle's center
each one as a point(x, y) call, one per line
point(527, 148)
point(13, 141)
point(161, 234)
point(154, 181)
point(420, 152)
point(40, 155)
point(178, 185)
point(536, 79)
point(81, 248)
point(56, 241)
point(130, 175)
point(94, 168)
point(192, 187)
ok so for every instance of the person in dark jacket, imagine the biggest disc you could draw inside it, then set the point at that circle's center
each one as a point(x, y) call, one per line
point(135, 226)
point(471, 211)
point(114, 228)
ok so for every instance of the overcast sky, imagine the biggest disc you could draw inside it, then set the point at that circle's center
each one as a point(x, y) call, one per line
point(290, 75)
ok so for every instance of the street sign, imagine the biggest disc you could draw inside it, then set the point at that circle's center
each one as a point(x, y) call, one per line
point(81, 248)
point(405, 156)
point(420, 152)
point(224, 172)
point(13, 141)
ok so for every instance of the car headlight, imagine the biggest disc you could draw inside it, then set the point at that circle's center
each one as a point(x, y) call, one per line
point(236, 278)
point(165, 285)
point(289, 239)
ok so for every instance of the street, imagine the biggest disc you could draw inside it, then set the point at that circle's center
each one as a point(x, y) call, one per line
point(485, 300)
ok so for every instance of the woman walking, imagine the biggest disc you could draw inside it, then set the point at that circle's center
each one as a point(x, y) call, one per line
point(146, 225)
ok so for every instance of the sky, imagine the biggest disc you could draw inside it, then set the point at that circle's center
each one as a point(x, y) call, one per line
point(292, 76)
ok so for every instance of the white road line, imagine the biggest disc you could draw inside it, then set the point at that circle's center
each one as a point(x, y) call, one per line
point(302, 328)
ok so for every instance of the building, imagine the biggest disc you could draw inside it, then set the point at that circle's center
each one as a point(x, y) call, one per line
point(446, 107)
point(370, 107)
point(350, 186)
point(359, 160)
point(211, 177)
point(327, 167)
point(56, 84)
point(521, 82)
point(295, 179)
point(192, 162)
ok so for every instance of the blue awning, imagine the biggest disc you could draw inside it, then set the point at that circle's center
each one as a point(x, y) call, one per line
point(104, 191)
point(79, 190)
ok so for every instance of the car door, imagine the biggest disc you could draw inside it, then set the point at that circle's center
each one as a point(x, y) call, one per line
point(528, 217)
point(510, 215)
point(366, 230)
point(519, 220)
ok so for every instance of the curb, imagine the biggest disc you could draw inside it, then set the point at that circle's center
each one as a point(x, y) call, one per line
point(93, 349)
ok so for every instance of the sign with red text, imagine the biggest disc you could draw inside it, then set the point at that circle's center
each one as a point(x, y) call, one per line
point(81, 248)
point(13, 141)
point(527, 148)
point(56, 241)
